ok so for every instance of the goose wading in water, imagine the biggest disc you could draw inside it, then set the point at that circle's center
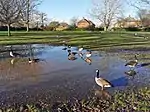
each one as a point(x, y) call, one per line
point(33, 60)
point(12, 54)
point(88, 54)
point(102, 82)
point(132, 63)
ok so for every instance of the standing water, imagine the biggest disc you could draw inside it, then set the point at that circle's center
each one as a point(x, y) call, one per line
point(57, 77)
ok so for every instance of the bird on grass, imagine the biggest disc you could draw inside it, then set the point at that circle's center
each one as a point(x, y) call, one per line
point(132, 63)
point(102, 82)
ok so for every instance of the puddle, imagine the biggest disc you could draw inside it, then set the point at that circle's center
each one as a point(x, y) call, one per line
point(55, 77)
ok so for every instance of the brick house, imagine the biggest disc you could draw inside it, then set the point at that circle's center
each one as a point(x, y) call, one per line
point(128, 22)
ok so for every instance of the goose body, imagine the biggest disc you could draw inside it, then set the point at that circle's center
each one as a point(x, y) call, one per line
point(14, 54)
point(102, 82)
point(132, 63)
point(33, 60)
point(88, 54)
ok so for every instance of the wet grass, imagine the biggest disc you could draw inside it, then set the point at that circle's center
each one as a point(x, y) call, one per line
point(90, 40)
point(130, 101)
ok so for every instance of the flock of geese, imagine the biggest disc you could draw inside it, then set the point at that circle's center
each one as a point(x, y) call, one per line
point(103, 83)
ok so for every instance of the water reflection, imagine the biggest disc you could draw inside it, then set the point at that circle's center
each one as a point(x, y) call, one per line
point(122, 81)
point(131, 73)
point(102, 94)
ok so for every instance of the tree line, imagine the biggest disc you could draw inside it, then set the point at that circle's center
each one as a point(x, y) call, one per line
point(105, 11)
point(20, 12)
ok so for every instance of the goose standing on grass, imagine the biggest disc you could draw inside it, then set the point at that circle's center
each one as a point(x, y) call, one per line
point(132, 63)
point(12, 54)
point(102, 82)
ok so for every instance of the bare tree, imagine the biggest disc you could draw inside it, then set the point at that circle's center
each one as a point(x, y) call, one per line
point(73, 21)
point(139, 4)
point(106, 11)
point(44, 18)
point(30, 8)
point(144, 16)
point(10, 11)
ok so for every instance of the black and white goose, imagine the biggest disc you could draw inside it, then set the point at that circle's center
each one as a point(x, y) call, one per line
point(132, 63)
point(33, 60)
point(102, 82)
point(12, 54)
point(88, 54)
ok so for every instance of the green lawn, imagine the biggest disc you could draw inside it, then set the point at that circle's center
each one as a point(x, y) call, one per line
point(87, 39)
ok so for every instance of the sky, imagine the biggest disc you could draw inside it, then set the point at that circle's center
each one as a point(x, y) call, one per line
point(64, 10)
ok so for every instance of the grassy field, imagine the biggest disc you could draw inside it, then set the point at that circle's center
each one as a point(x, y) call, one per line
point(87, 39)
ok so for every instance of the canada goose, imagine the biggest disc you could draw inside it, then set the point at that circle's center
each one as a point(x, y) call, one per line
point(33, 60)
point(88, 60)
point(102, 82)
point(12, 54)
point(88, 54)
point(132, 63)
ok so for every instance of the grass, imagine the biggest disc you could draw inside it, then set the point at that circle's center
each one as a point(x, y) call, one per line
point(131, 101)
point(91, 40)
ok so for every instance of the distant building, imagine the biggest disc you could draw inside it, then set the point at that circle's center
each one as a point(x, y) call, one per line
point(128, 22)
point(62, 26)
point(84, 23)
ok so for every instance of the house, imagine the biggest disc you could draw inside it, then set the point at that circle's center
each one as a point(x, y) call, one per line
point(127, 22)
point(84, 23)
point(62, 26)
